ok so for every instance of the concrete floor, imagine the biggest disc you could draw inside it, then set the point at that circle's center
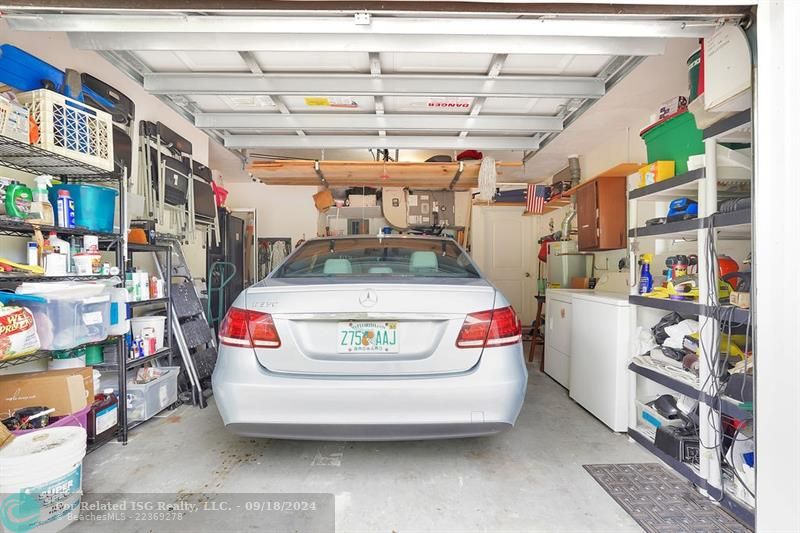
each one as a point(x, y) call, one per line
point(528, 479)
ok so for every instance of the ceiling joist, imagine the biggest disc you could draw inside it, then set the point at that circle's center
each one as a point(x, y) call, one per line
point(447, 85)
point(421, 142)
point(360, 25)
point(438, 43)
point(362, 121)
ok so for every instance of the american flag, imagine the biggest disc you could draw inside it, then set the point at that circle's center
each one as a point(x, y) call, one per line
point(537, 194)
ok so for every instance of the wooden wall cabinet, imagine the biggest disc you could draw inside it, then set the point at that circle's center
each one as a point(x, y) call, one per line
point(602, 208)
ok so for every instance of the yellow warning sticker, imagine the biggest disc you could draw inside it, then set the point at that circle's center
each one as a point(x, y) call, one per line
point(318, 101)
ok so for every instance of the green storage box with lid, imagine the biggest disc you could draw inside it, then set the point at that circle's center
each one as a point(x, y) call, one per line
point(674, 139)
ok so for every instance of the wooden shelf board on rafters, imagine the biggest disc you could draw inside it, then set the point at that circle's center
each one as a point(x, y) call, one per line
point(623, 170)
point(371, 173)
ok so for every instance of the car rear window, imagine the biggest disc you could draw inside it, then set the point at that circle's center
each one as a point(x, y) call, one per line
point(376, 258)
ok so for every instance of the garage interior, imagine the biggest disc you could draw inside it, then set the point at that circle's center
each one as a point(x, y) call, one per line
point(604, 166)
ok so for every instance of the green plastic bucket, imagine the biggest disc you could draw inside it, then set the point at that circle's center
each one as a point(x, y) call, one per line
point(693, 64)
point(94, 354)
point(674, 140)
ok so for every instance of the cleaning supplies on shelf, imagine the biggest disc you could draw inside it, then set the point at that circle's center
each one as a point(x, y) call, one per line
point(65, 207)
point(645, 278)
point(15, 199)
point(33, 253)
point(41, 208)
point(56, 256)
point(94, 206)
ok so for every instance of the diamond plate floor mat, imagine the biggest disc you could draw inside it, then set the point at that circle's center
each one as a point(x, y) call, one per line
point(661, 502)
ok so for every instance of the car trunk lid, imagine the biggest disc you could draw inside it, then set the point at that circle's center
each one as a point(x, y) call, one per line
point(415, 326)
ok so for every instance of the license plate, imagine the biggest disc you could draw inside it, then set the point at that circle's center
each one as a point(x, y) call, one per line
point(368, 337)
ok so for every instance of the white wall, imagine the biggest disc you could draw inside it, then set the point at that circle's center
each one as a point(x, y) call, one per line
point(776, 220)
point(283, 210)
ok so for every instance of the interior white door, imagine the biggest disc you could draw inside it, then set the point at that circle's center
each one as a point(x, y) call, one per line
point(506, 255)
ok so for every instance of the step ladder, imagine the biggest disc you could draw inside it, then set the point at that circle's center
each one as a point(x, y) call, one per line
point(193, 336)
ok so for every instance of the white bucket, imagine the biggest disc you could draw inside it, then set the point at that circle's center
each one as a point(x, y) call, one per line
point(158, 323)
point(40, 479)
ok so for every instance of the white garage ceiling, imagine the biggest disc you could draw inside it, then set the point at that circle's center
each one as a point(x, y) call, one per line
point(353, 80)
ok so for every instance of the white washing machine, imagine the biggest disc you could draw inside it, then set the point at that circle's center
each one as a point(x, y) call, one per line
point(557, 338)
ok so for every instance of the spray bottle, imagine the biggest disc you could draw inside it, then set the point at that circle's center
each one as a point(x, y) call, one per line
point(645, 278)
point(41, 208)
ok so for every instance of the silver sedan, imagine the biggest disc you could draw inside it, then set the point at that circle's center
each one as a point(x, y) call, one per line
point(371, 338)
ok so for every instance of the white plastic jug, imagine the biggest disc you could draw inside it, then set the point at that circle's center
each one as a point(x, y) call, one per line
point(119, 323)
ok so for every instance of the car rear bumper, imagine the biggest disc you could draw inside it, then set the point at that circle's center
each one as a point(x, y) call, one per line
point(257, 403)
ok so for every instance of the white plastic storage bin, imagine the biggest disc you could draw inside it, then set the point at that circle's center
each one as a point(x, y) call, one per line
point(71, 128)
point(652, 419)
point(65, 322)
point(119, 323)
point(145, 401)
point(14, 121)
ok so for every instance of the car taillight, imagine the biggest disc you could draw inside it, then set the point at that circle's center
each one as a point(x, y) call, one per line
point(498, 327)
point(248, 329)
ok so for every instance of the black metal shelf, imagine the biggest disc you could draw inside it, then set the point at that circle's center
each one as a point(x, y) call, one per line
point(733, 122)
point(730, 408)
point(677, 230)
point(47, 354)
point(730, 224)
point(32, 159)
point(728, 313)
point(100, 443)
point(674, 187)
point(741, 217)
point(742, 511)
point(684, 469)
point(682, 307)
point(38, 278)
point(38, 356)
point(665, 380)
point(139, 362)
point(134, 247)
point(152, 301)
point(19, 228)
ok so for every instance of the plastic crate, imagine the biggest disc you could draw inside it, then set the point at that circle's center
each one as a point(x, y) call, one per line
point(652, 419)
point(13, 121)
point(77, 419)
point(147, 400)
point(674, 139)
point(64, 322)
point(70, 128)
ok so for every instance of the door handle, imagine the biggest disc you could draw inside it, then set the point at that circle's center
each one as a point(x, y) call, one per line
point(527, 274)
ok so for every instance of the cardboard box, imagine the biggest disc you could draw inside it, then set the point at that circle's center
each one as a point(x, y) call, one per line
point(67, 391)
point(5, 435)
point(655, 172)
point(363, 200)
